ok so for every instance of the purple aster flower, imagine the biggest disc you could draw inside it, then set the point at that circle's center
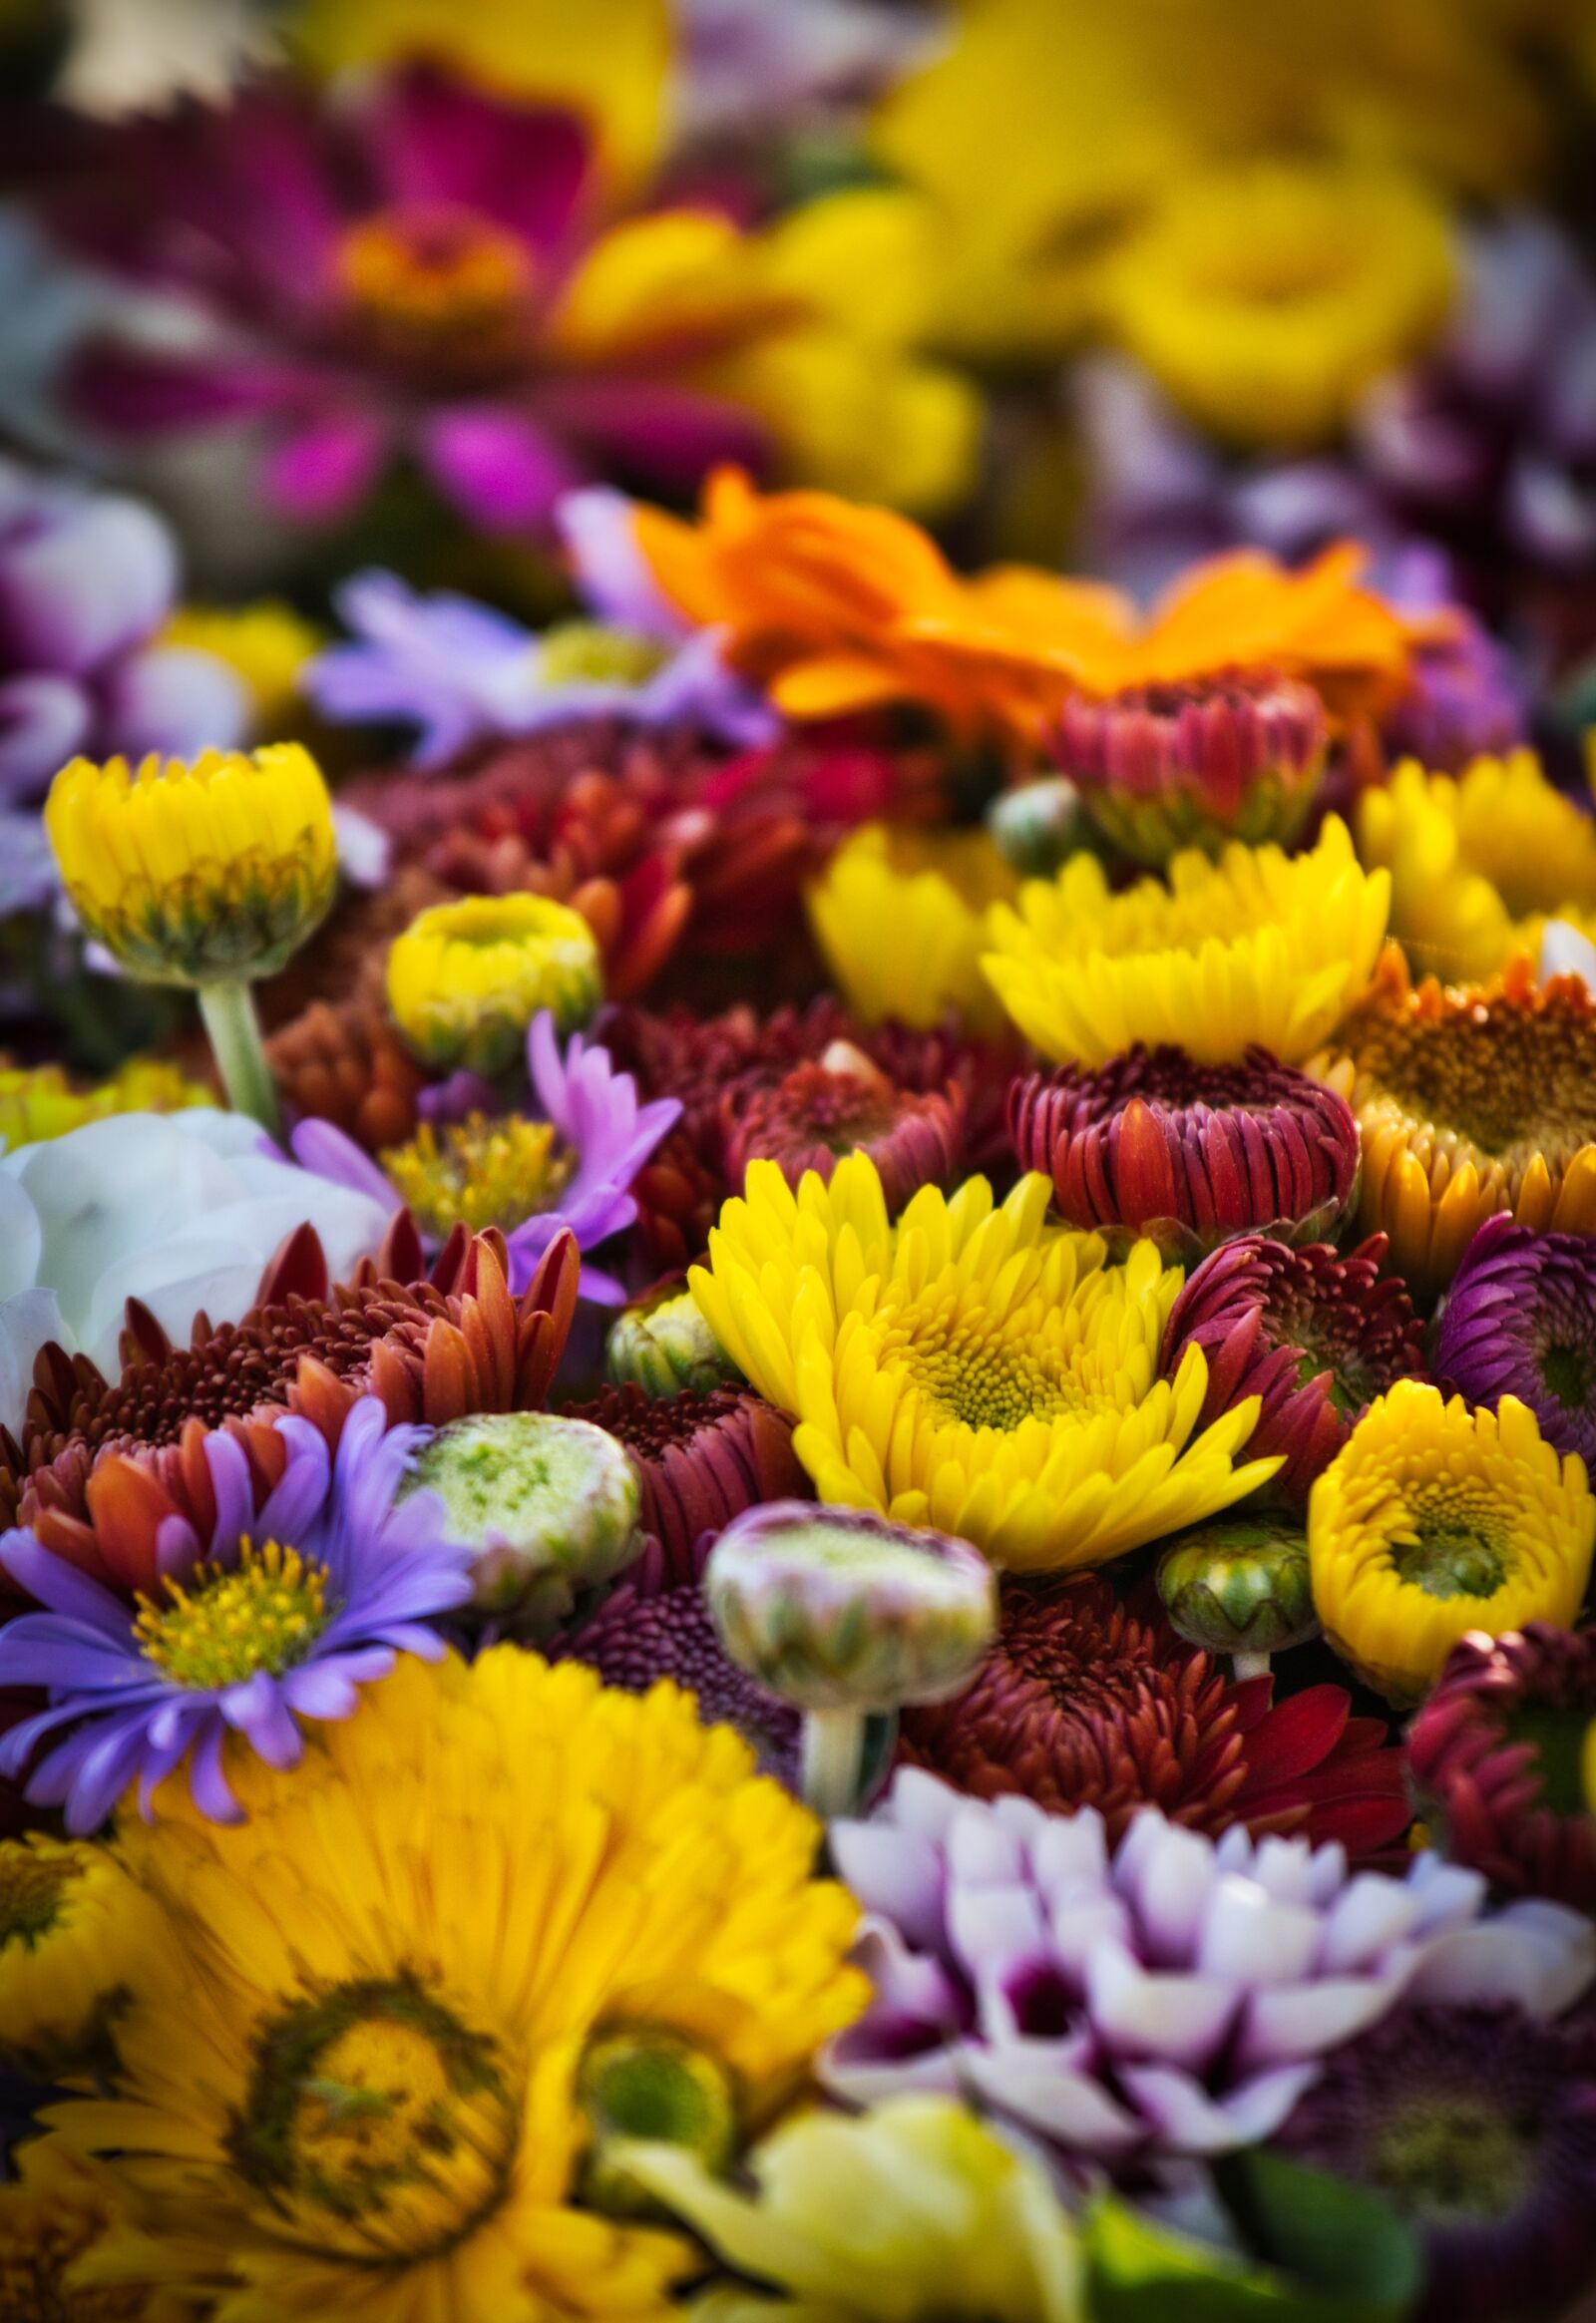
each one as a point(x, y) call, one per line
point(464, 673)
point(1520, 1321)
point(1170, 1998)
point(1462, 701)
point(87, 579)
point(278, 1617)
point(580, 1179)
point(1480, 2125)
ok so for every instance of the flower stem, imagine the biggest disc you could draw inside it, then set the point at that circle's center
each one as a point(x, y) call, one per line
point(833, 1760)
point(1249, 1666)
point(235, 1031)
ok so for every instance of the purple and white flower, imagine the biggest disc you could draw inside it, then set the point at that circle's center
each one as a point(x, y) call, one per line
point(1170, 1998)
point(282, 1616)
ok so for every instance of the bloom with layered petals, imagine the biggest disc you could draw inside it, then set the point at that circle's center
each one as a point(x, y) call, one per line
point(466, 980)
point(399, 2120)
point(701, 1459)
point(1494, 1757)
point(1468, 1101)
point(1081, 1702)
point(1165, 1997)
point(1317, 1334)
point(843, 1104)
point(1189, 1154)
point(1260, 948)
point(282, 1615)
point(971, 1368)
point(931, 890)
point(1433, 1520)
point(1520, 1319)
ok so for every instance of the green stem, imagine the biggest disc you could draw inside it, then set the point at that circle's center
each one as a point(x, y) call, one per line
point(833, 1760)
point(235, 1031)
point(1250, 1664)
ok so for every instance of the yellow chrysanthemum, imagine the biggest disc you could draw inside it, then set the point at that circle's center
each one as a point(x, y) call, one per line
point(53, 2215)
point(1265, 296)
point(899, 917)
point(265, 645)
point(1433, 1520)
point(202, 872)
point(973, 1368)
point(1478, 862)
point(466, 980)
point(73, 1929)
point(914, 2209)
point(1469, 1099)
point(353, 2073)
point(1258, 947)
point(39, 1101)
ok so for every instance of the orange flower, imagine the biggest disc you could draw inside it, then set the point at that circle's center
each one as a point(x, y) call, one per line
point(835, 607)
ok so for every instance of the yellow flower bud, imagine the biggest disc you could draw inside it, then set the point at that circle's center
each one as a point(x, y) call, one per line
point(466, 980)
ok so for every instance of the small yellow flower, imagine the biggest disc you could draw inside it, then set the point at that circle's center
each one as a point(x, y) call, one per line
point(973, 1368)
point(194, 873)
point(74, 1935)
point(914, 2209)
point(1265, 295)
point(1433, 1520)
point(899, 916)
point(1478, 861)
point(466, 980)
point(53, 2217)
point(265, 645)
point(40, 1103)
point(1259, 947)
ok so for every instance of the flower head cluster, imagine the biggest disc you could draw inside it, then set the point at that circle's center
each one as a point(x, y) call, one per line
point(1520, 1319)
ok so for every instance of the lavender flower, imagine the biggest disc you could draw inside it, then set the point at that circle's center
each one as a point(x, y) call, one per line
point(1520, 1321)
point(578, 1179)
point(278, 1617)
point(1173, 1998)
point(463, 673)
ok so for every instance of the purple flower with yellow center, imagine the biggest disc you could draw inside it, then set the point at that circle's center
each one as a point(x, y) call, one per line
point(1155, 1143)
point(463, 673)
point(530, 1178)
point(1170, 1997)
point(1162, 767)
point(1315, 1333)
point(1478, 2124)
point(1520, 1319)
point(279, 1617)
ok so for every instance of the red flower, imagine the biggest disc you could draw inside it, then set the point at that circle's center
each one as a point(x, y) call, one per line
point(701, 1459)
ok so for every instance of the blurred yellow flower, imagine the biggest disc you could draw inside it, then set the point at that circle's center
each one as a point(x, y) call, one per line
point(1265, 296)
point(900, 916)
point(466, 980)
point(39, 1102)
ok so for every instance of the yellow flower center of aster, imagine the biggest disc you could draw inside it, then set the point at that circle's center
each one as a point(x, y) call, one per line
point(1458, 1544)
point(595, 653)
point(32, 1888)
point(378, 2124)
point(485, 1171)
point(443, 283)
point(232, 1623)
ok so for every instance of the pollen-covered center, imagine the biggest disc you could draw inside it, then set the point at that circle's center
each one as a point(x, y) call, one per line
point(377, 2124)
point(1455, 1541)
point(227, 1624)
point(1455, 2159)
point(989, 1369)
point(438, 282)
point(1496, 1085)
point(488, 1170)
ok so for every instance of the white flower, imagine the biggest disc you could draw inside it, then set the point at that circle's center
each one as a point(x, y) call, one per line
point(180, 1210)
point(1565, 952)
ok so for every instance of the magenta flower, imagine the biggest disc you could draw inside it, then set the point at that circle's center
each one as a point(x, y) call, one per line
point(1520, 1319)
point(385, 274)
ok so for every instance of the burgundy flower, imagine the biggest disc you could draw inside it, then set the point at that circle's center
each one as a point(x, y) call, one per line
point(657, 1625)
point(1081, 1703)
point(1162, 767)
point(701, 1459)
point(1493, 1758)
point(1316, 1334)
point(1520, 1319)
point(1191, 1154)
point(841, 1104)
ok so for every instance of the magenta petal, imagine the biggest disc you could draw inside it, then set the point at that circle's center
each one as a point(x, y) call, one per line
point(673, 434)
point(500, 469)
point(444, 143)
point(324, 468)
point(134, 393)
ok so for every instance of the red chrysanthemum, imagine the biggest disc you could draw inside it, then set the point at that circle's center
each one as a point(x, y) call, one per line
point(1315, 1332)
point(701, 1459)
point(1493, 1758)
point(1081, 1703)
point(842, 1104)
point(1155, 1143)
point(102, 1463)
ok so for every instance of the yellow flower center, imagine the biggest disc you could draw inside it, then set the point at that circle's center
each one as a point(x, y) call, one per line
point(32, 1887)
point(439, 283)
point(653, 2083)
point(996, 1369)
point(1500, 1086)
point(230, 1624)
point(1458, 1544)
point(594, 653)
point(485, 1171)
point(377, 2124)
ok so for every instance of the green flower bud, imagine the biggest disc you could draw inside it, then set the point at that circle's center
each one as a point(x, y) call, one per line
point(653, 2083)
point(551, 1506)
point(1239, 1586)
point(663, 1346)
point(1038, 827)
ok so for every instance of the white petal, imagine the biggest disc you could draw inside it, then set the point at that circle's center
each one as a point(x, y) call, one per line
point(21, 1239)
point(991, 1925)
point(1289, 2021)
point(1371, 1914)
point(1565, 952)
point(1030, 2080)
point(891, 1871)
point(1137, 2014)
point(1248, 1939)
point(1190, 2120)
point(29, 1320)
point(1497, 1963)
